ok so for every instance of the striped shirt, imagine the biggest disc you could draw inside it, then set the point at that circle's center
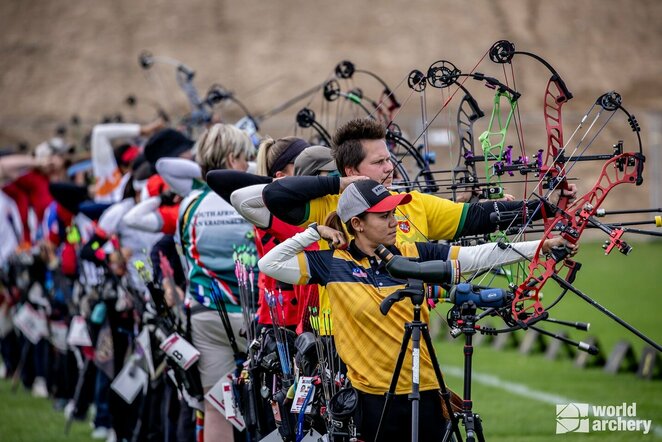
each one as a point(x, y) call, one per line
point(210, 230)
point(367, 341)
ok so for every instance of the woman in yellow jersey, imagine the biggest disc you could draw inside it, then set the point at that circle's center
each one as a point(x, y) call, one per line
point(357, 282)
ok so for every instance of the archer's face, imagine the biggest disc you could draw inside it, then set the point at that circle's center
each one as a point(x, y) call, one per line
point(379, 228)
point(377, 163)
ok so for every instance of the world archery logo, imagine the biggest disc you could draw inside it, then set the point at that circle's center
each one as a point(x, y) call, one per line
point(572, 418)
point(359, 273)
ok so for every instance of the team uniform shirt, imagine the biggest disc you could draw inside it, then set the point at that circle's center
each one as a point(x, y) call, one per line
point(110, 183)
point(425, 218)
point(32, 197)
point(367, 341)
point(296, 298)
point(208, 231)
point(139, 242)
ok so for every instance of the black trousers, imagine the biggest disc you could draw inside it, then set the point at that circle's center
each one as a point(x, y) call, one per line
point(397, 423)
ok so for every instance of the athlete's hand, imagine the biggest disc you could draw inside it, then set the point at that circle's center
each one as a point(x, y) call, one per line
point(347, 180)
point(335, 238)
point(570, 193)
point(560, 243)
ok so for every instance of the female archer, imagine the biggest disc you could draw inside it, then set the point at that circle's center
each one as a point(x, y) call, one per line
point(357, 282)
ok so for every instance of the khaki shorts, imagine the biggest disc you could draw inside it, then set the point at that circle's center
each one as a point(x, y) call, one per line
point(211, 340)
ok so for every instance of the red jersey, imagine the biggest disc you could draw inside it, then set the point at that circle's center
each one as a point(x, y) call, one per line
point(296, 298)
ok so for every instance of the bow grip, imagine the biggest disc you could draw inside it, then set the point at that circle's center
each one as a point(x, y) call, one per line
point(573, 268)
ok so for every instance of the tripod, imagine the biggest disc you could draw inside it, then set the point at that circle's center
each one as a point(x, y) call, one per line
point(465, 317)
point(413, 330)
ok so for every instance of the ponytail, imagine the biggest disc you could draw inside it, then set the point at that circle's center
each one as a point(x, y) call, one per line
point(333, 220)
point(262, 160)
point(273, 156)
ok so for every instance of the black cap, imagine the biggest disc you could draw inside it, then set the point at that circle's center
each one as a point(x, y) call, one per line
point(166, 143)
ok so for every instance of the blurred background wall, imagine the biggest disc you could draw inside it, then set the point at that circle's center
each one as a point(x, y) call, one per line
point(80, 57)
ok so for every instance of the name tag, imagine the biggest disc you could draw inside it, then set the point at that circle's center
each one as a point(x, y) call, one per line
point(130, 381)
point(180, 350)
point(221, 397)
point(31, 323)
point(79, 336)
point(59, 332)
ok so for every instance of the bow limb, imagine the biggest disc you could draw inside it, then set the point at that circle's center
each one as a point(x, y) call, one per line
point(346, 70)
point(556, 94)
point(467, 114)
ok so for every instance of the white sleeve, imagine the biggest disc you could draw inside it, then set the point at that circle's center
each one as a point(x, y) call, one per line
point(282, 262)
point(104, 165)
point(110, 219)
point(179, 174)
point(249, 203)
point(486, 256)
point(145, 215)
point(13, 166)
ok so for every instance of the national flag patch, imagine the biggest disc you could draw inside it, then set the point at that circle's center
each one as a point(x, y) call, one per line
point(404, 226)
point(359, 273)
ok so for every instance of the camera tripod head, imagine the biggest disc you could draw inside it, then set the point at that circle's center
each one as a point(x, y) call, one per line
point(415, 291)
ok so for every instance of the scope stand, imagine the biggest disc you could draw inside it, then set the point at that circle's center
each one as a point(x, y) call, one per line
point(467, 322)
point(413, 330)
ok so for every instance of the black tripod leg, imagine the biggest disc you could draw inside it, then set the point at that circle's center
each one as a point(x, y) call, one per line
point(394, 379)
point(479, 429)
point(445, 393)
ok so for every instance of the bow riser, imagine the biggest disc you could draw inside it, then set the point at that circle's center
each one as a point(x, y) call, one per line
point(621, 169)
point(493, 141)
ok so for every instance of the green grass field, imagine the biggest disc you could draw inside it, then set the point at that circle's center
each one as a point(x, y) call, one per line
point(26, 419)
point(515, 394)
